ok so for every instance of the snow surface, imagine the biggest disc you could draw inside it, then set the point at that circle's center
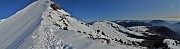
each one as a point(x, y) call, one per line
point(35, 29)
point(50, 36)
point(172, 43)
point(2, 20)
point(18, 26)
point(38, 26)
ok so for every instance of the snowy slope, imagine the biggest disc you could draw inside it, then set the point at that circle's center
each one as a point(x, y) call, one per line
point(50, 34)
point(45, 25)
point(18, 26)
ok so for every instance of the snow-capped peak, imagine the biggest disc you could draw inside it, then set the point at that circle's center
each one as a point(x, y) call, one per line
point(19, 25)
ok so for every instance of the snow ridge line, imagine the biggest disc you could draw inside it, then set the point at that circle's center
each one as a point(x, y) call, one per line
point(34, 25)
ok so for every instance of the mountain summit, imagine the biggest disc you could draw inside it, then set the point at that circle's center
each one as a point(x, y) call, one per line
point(45, 25)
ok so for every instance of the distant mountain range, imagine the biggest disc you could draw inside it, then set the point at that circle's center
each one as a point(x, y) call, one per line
point(173, 25)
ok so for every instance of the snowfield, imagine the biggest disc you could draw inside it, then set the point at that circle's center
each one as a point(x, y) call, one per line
point(42, 25)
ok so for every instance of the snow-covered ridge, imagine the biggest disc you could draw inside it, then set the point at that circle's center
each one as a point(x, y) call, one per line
point(18, 26)
point(2, 20)
point(45, 25)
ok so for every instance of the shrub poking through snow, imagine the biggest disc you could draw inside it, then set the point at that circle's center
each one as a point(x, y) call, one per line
point(50, 16)
point(56, 24)
point(84, 32)
point(98, 30)
point(55, 6)
point(79, 31)
point(65, 28)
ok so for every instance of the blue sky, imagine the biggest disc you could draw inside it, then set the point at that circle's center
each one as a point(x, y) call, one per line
point(90, 10)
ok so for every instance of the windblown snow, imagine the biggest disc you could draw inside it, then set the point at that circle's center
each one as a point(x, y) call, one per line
point(45, 25)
